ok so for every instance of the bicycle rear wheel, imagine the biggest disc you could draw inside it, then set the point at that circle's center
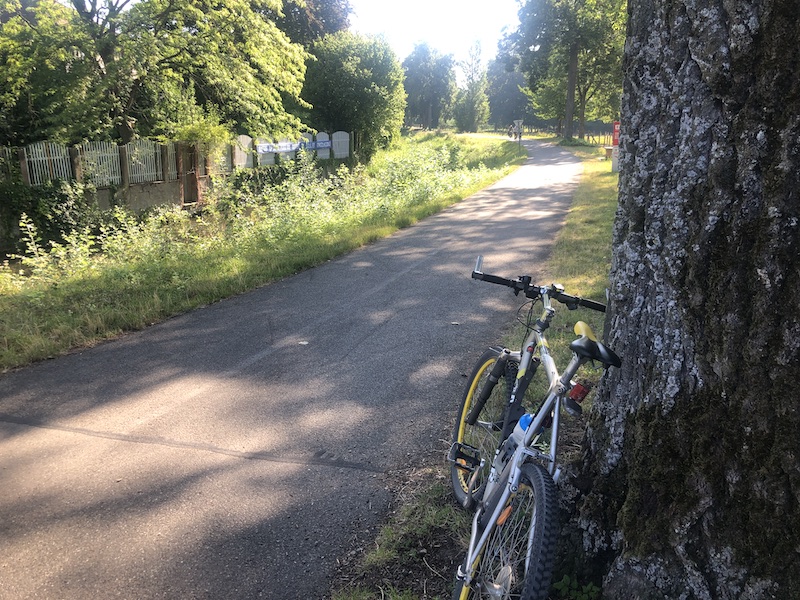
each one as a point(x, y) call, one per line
point(517, 562)
point(485, 434)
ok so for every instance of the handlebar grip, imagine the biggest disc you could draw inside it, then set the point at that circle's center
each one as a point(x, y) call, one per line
point(574, 302)
point(492, 279)
point(591, 304)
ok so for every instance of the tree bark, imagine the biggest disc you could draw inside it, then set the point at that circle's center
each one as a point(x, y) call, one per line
point(690, 482)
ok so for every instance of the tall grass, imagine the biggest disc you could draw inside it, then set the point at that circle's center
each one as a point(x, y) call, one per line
point(133, 271)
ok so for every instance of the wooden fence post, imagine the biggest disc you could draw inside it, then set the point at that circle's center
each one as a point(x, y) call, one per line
point(124, 173)
point(164, 163)
point(75, 163)
point(180, 169)
point(197, 191)
point(23, 166)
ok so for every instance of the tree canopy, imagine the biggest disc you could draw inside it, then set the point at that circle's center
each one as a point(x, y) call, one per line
point(574, 46)
point(115, 69)
point(472, 105)
point(355, 83)
point(430, 82)
point(507, 101)
point(308, 21)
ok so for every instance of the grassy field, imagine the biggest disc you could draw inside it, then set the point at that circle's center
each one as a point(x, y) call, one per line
point(132, 271)
point(416, 554)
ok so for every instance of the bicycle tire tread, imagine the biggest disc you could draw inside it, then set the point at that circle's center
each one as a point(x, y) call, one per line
point(537, 579)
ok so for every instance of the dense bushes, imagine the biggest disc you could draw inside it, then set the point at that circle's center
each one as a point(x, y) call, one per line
point(53, 209)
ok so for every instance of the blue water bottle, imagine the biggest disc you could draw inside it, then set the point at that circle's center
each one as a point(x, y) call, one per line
point(518, 435)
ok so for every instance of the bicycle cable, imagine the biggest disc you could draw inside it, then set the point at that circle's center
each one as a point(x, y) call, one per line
point(528, 318)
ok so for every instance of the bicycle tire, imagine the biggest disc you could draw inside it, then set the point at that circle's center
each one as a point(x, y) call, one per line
point(485, 434)
point(517, 562)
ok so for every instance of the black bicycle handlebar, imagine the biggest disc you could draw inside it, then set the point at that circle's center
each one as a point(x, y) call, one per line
point(533, 291)
point(574, 302)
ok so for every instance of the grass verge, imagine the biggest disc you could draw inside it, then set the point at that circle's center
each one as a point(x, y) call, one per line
point(416, 554)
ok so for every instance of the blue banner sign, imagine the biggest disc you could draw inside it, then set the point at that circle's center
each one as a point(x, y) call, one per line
point(293, 146)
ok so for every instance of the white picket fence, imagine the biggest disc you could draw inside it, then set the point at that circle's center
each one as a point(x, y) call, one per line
point(144, 161)
point(47, 162)
point(100, 161)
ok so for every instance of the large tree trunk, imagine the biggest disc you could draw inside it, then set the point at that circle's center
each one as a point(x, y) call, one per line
point(690, 482)
point(572, 83)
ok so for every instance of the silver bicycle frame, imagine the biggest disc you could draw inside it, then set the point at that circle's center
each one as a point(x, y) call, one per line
point(559, 386)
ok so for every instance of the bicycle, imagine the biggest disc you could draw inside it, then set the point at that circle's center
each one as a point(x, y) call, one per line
point(504, 461)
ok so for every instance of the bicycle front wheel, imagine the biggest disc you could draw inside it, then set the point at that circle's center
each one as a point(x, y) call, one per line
point(517, 562)
point(485, 434)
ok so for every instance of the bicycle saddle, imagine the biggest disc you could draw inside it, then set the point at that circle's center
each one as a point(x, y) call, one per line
point(587, 346)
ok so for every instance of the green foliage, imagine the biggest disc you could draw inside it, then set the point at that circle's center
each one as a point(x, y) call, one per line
point(153, 68)
point(471, 108)
point(53, 209)
point(555, 36)
point(430, 82)
point(569, 588)
point(355, 83)
point(307, 21)
point(507, 101)
point(548, 101)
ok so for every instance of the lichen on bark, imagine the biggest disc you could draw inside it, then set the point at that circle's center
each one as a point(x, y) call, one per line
point(690, 479)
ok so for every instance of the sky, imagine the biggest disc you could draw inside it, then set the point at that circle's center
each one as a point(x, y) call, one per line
point(449, 26)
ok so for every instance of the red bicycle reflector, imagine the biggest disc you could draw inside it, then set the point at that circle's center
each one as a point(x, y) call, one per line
point(578, 392)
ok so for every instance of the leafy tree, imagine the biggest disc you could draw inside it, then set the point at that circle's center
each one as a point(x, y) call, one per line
point(599, 81)
point(355, 83)
point(116, 69)
point(574, 44)
point(308, 21)
point(690, 481)
point(472, 105)
point(528, 48)
point(507, 101)
point(430, 82)
point(548, 100)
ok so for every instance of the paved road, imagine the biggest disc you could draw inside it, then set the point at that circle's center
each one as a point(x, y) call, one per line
point(236, 451)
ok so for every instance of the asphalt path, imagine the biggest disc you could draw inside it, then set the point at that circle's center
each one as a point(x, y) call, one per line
point(238, 450)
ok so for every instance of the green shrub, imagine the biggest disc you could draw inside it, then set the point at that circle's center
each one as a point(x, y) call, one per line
point(569, 589)
point(54, 209)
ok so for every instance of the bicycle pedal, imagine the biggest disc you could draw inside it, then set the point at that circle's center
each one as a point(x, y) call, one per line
point(464, 457)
